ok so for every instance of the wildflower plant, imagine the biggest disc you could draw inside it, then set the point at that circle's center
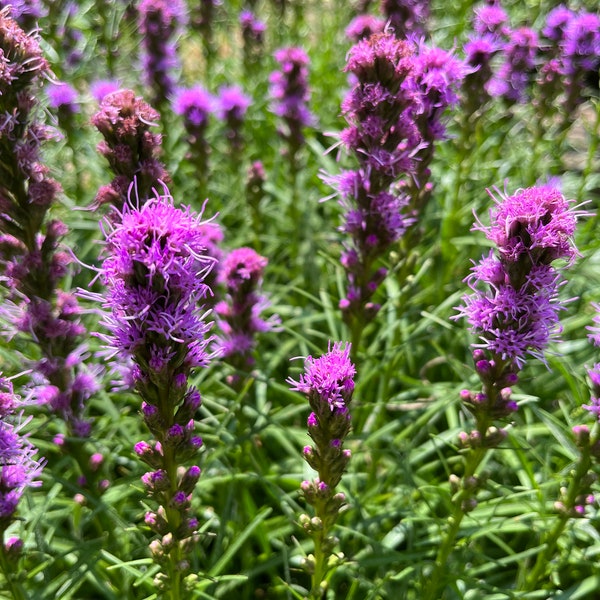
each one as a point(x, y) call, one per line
point(154, 269)
point(328, 383)
point(513, 308)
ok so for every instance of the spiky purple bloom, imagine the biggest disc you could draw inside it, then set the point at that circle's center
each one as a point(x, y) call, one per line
point(407, 18)
point(160, 22)
point(25, 12)
point(64, 99)
point(515, 74)
point(154, 268)
point(479, 52)
point(594, 375)
point(514, 303)
point(195, 105)
point(131, 148)
point(290, 95)
point(19, 468)
point(328, 383)
point(232, 105)
point(364, 26)
point(253, 34)
point(490, 18)
point(239, 316)
point(557, 21)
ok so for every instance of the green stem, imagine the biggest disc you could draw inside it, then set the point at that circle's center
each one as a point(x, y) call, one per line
point(550, 541)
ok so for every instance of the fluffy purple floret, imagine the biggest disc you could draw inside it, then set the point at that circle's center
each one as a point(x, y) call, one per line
point(329, 377)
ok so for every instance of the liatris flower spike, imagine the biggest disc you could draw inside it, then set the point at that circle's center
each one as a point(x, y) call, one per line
point(160, 22)
point(328, 383)
point(154, 269)
point(125, 121)
point(513, 308)
point(239, 316)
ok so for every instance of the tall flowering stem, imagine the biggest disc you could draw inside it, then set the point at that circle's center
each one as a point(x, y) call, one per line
point(154, 272)
point(19, 469)
point(32, 262)
point(513, 308)
point(195, 105)
point(578, 494)
point(130, 147)
point(382, 135)
point(328, 382)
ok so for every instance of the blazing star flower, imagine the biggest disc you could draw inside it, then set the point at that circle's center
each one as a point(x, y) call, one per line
point(328, 383)
point(490, 18)
point(253, 30)
point(232, 105)
point(154, 268)
point(407, 18)
point(514, 304)
point(103, 87)
point(364, 26)
point(290, 95)
point(239, 317)
point(160, 21)
point(124, 120)
point(594, 375)
point(557, 21)
point(514, 75)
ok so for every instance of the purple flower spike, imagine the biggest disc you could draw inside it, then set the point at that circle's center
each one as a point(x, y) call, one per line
point(239, 316)
point(513, 306)
point(18, 467)
point(160, 22)
point(328, 383)
point(132, 150)
point(407, 18)
point(154, 268)
point(290, 95)
point(231, 108)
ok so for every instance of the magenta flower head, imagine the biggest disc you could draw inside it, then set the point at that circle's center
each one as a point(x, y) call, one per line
point(364, 26)
point(490, 18)
point(513, 305)
point(101, 88)
point(160, 22)
point(232, 105)
point(514, 75)
point(406, 18)
point(63, 97)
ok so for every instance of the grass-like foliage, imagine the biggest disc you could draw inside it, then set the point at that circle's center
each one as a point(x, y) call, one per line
point(299, 300)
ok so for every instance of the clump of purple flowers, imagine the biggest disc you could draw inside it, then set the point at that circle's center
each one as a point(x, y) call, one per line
point(328, 383)
point(160, 22)
point(239, 316)
point(290, 95)
point(154, 269)
point(129, 145)
point(513, 306)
